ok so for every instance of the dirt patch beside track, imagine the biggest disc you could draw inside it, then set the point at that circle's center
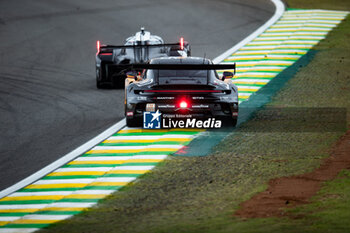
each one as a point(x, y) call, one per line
point(295, 190)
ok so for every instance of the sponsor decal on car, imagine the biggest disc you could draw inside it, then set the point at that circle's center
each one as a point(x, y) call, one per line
point(154, 120)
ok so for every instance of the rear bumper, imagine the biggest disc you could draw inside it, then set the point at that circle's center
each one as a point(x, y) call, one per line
point(194, 110)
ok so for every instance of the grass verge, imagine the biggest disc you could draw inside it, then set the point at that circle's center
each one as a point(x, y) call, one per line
point(200, 194)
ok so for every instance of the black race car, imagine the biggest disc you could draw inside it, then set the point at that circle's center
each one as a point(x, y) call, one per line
point(138, 49)
point(181, 85)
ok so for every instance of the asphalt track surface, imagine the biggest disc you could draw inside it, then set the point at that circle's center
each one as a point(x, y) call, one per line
point(49, 104)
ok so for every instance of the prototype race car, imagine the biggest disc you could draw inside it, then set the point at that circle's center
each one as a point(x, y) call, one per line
point(138, 49)
point(178, 85)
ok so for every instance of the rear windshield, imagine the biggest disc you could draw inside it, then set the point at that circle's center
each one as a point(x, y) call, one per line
point(182, 73)
point(182, 76)
point(168, 77)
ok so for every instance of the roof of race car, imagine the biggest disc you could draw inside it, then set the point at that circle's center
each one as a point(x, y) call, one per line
point(181, 60)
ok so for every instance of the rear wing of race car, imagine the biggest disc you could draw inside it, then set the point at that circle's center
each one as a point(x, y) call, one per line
point(120, 68)
point(101, 48)
point(173, 67)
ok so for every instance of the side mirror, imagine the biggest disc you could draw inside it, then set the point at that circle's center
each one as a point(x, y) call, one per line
point(227, 75)
point(132, 74)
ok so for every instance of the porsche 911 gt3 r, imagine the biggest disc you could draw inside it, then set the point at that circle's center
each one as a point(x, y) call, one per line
point(182, 86)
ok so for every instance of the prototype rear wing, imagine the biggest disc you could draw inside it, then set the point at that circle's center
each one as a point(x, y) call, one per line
point(110, 48)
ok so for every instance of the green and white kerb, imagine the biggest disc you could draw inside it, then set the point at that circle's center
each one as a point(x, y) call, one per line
point(280, 46)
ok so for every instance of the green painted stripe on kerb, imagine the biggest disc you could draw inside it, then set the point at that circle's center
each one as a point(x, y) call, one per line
point(79, 200)
point(258, 63)
point(14, 214)
point(21, 226)
point(26, 202)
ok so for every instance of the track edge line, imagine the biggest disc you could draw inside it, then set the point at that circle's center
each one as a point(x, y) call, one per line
point(65, 159)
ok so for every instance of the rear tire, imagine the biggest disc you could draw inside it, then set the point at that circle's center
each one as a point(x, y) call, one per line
point(99, 85)
point(118, 81)
point(100, 77)
point(133, 122)
point(234, 122)
point(229, 121)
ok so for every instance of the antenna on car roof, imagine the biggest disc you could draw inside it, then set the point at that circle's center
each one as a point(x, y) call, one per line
point(204, 58)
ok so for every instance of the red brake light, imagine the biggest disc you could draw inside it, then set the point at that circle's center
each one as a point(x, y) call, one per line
point(183, 104)
point(98, 46)
point(182, 43)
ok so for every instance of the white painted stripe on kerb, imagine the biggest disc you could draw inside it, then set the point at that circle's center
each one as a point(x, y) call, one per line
point(258, 47)
point(251, 81)
point(265, 42)
point(310, 21)
point(257, 74)
point(65, 181)
point(262, 68)
point(84, 169)
point(112, 158)
point(266, 34)
point(46, 217)
point(72, 204)
point(21, 206)
point(115, 179)
point(244, 94)
point(50, 193)
point(276, 62)
point(5, 219)
point(301, 41)
point(308, 37)
point(94, 191)
point(246, 57)
point(133, 168)
point(271, 38)
point(96, 148)
point(311, 33)
point(283, 56)
point(18, 230)
point(241, 52)
point(248, 87)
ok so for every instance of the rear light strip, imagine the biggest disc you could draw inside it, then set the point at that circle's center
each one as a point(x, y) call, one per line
point(184, 91)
